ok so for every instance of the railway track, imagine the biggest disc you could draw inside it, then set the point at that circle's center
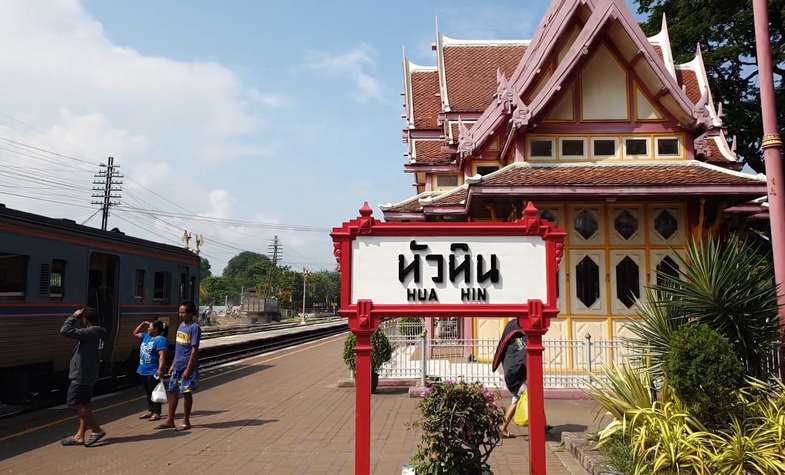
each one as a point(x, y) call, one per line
point(209, 358)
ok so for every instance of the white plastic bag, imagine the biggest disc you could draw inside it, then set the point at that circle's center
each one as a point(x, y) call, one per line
point(159, 393)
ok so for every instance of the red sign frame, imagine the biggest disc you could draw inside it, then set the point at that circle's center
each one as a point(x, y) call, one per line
point(533, 316)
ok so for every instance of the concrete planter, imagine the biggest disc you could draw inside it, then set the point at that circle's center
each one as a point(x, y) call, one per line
point(408, 470)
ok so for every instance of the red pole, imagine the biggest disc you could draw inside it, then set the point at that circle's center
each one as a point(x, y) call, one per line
point(772, 150)
point(362, 419)
point(536, 396)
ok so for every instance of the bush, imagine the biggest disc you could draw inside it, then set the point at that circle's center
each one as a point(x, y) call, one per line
point(703, 370)
point(381, 353)
point(460, 424)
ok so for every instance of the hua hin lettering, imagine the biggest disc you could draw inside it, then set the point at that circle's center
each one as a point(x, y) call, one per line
point(457, 268)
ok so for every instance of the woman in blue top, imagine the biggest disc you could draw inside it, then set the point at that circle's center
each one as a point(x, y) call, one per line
point(152, 357)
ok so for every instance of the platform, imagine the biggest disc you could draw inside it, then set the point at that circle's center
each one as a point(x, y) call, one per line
point(280, 413)
point(232, 340)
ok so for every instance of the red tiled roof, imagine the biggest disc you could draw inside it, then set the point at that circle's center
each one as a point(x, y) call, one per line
point(425, 99)
point(450, 200)
point(688, 78)
point(471, 73)
point(428, 152)
point(617, 175)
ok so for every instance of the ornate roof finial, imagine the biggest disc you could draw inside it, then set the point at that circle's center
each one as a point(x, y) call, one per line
point(522, 114)
point(366, 210)
point(465, 140)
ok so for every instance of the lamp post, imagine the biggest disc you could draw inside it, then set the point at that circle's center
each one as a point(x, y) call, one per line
point(772, 151)
point(305, 279)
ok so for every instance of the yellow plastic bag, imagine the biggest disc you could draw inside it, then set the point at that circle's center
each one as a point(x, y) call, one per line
point(522, 410)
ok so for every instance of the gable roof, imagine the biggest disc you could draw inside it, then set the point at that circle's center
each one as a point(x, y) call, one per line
point(608, 15)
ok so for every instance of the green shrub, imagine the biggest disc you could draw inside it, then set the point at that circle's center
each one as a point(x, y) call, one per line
point(381, 353)
point(460, 425)
point(703, 370)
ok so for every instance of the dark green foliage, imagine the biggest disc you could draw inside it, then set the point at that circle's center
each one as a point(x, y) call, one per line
point(728, 285)
point(253, 271)
point(704, 372)
point(724, 28)
point(380, 354)
point(460, 425)
point(204, 268)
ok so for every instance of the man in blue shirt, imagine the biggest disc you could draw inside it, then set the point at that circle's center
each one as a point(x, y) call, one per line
point(184, 371)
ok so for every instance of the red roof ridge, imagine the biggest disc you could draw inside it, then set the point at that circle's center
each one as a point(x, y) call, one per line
point(453, 42)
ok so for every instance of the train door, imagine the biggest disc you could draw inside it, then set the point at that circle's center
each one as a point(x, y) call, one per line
point(102, 295)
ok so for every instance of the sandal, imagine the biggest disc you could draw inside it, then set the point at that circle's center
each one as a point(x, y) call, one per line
point(145, 416)
point(164, 426)
point(71, 440)
point(94, 438)
point(155, 417)
point(184, 427)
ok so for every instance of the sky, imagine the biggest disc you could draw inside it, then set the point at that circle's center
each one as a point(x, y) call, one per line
point(267, 113)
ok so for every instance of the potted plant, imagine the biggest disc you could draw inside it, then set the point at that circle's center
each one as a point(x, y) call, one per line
point(460, 428)
point(380, 354)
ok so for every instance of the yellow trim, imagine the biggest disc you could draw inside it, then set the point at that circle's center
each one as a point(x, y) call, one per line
point(621, 147)
point(436, 187)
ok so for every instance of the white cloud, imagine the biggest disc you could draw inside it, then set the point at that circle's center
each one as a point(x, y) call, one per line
point(171, 125)
point(356, 65)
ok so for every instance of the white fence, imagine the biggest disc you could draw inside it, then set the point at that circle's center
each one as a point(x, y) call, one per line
point(566, 363)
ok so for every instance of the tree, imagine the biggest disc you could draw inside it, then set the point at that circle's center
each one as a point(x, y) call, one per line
point(204, 268)
point(248, 269)
point(725, 30)
point(215, 290)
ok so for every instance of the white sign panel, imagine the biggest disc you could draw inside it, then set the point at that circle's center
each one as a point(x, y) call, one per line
point(449, 270)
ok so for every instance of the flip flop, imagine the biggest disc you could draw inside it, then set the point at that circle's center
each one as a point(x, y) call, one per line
point(71, 440)
point(164, 426)
point(155, 417)
point(183, 427)
point(94, 438)
point(145, 416)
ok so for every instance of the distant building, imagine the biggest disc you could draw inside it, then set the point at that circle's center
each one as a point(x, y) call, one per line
point(594, 123)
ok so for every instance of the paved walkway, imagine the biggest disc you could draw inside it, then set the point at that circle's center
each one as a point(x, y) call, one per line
point(274, 414)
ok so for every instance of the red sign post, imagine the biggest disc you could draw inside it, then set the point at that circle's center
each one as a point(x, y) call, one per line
point(512, 259)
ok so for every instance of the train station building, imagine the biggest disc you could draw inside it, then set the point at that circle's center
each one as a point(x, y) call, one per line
point(596, 124)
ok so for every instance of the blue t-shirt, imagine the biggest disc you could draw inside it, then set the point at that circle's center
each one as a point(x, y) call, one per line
point(148, 354)
point(188, 336)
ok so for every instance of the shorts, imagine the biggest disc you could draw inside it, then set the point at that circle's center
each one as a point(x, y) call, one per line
point(517, 396)
point(180, 385)
point(79, 394)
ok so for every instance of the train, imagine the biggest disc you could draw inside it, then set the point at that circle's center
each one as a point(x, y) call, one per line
point(50, 267)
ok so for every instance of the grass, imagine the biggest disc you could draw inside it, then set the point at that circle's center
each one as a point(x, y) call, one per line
point(618, 454)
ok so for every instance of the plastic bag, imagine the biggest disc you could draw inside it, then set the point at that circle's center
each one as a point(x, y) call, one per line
point(159, 393)
point(522, 410)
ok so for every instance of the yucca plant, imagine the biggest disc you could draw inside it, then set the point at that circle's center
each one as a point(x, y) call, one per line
point(620, 389)
point(653, 332)
point(747, 448)
point(728, 285)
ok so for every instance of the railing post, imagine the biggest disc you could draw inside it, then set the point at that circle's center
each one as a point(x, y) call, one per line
point(588, 352)
point(423, 356)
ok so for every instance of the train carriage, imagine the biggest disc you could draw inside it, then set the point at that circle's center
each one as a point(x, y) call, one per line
point(49, 267)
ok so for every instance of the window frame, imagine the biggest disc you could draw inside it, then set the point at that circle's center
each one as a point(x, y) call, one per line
point(139, 296)
point(647, 155)
point(577, 307)
point(166, 288)
point(679, 149)
point(581, 157)
point(530, 141)
point(18, 296)
point(62, 273)
point(494, 166)
point(575, 238)
point(616, 148)
point(439, 187)
point(639, 237)
point(678, 212)
point(639, 257)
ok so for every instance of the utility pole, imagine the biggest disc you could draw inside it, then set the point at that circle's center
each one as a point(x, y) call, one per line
point(275, 251)
point(772, 154)
point(305, 286)
point(108, 176)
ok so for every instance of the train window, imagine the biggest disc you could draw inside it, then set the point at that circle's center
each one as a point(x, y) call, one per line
point(13, 276)
point(162, 287)
point(57, 279)
point(139, 285)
